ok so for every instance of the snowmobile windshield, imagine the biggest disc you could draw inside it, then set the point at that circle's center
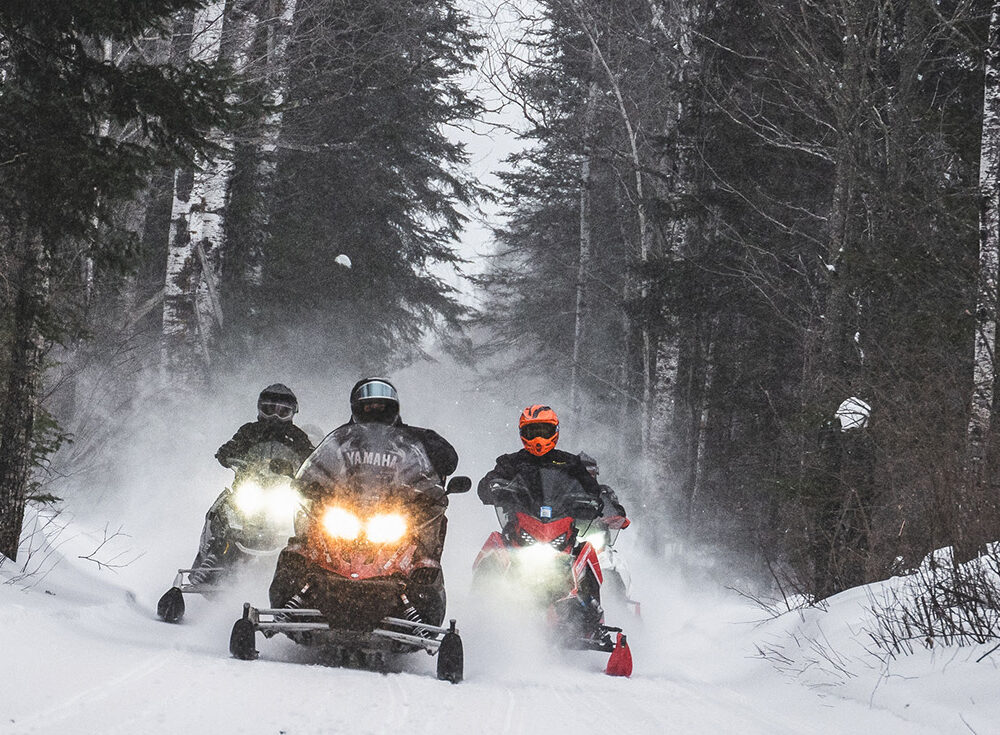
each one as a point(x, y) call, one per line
point(259, 459)
point(374, 462)
point(549, 493)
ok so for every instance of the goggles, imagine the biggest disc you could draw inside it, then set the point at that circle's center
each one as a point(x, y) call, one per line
point(375, 389)
point(539, 430)
point(276, 410)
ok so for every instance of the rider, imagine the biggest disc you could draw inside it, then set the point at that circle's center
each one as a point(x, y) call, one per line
point(539, 429)
point(276, 406)
point(609, 499)
point(360, 446)
point(375, 400)
point(617, 577)
point(271, 438)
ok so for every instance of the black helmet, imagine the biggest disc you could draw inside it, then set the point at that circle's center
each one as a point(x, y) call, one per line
point(374, 400)
point(277, 402)
point(590, 463)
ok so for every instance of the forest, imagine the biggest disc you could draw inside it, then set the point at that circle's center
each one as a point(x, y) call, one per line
point(757, 242)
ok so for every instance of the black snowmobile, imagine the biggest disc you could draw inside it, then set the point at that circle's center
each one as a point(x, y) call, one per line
point(362, 577)
point(249, 523)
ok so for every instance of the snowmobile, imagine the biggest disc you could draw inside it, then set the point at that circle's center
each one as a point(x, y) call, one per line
point(617, 586)
point(362, 578)
point(545, 551)
point(249, 522)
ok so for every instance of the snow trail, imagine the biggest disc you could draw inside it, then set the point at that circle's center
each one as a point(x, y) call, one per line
point(84, 653)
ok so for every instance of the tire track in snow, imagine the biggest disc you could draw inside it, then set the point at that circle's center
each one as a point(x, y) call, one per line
point(69, 707)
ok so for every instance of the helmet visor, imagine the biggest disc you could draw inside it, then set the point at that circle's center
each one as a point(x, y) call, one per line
point(534, 431)
point(375, 389)
point(275, 410)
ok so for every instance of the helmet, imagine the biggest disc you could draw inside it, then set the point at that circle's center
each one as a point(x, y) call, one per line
point(590, 463)
point(374, 400)
point(277, 402)
point(539, 427)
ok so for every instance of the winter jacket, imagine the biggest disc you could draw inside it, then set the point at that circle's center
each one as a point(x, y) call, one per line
point(526, 465)
point(443, 457)
point(263, 432)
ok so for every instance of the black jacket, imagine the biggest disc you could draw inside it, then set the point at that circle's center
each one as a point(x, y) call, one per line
point(526, 465)
point(440, 452)
point(259, 432)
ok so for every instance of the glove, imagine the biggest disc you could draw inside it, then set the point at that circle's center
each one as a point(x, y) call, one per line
point(503, 494)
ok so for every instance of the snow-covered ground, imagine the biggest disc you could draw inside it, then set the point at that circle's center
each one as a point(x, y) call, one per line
point(82, 651)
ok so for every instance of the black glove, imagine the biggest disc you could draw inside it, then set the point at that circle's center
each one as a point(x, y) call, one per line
point(504, 494)
point(589, 509)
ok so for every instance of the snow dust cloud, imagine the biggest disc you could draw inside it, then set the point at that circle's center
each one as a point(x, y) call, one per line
point(158, 477)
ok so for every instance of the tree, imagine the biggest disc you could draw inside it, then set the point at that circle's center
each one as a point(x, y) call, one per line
point(61, 174)
point(988, 299)
point(365, 168)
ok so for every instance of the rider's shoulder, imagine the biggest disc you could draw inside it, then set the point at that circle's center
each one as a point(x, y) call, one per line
point(559, 458)
point(250, 427)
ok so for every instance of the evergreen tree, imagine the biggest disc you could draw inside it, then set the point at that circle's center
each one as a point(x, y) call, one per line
point(365, 169)
point(63, 172)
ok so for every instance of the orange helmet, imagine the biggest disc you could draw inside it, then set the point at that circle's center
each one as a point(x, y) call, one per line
point(539, 427)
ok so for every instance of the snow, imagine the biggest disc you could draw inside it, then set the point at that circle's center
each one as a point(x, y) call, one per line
point(853, 413)
point(84, 653)
point(88, 655)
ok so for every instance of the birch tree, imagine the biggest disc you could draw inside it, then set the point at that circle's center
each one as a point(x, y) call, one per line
point(61, 174)
point(979, 431)
point(989, 259)
point(192, 308)
point(583, 266)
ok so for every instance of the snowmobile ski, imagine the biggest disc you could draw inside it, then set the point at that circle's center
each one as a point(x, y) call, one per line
point(392, 635)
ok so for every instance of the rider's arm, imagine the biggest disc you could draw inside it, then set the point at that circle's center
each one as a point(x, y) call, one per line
point(502, 473)
point(300, 442)
point(237, 446)
point(441, 453)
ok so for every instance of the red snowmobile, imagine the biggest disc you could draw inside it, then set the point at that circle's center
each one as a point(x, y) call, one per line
point(362, 576)
point(541, 550)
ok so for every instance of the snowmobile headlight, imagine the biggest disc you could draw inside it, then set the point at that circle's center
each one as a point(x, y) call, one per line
point(249, 497)
point(597, 539)
point(341, 523)
point(537, 555)
point(385, 528)
point(282, 500)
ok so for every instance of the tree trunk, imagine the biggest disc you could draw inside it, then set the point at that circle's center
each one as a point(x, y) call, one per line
point(179, 347)
point(984, 366)
point(20, 399)
point(252, 193)
point(279, 35)
point(836, 370)
point(583, 266)
point(647, 339)
point(989, 259)
point(192, 311)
